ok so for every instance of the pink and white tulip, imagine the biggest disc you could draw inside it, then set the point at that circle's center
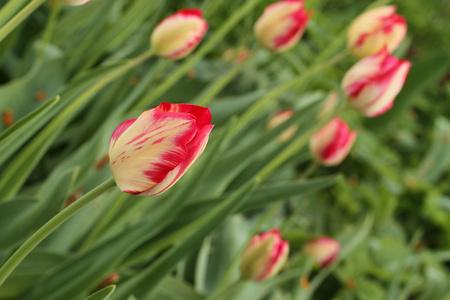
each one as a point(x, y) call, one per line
point(177, 35)
point(149, 154)
point(279, 118)
point(372, 84)
point(331, 144)
point(375, 29)
point(75, 2)
point(281, 25)
point(323, 250)
point(265, 256)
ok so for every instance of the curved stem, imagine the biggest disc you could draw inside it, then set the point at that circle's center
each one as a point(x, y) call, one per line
point(19, 17)
point(49, 227)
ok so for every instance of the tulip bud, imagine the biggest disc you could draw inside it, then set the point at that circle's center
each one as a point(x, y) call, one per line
point(375, 29)
point(279, 118)
point(331, 144)
point(323, 250)
point(75, 2)
point(281, 25)
point(149, 154)
point(265, 256)
point(178, 35)
point(328, 105)
point(372, 84)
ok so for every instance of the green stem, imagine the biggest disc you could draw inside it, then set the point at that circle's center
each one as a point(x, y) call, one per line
point(49, 227)
point(229, 24)
point(9, 9)
point(56, 8)
point(19, 17)
point(311, 169)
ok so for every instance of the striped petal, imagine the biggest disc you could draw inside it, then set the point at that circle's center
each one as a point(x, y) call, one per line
point(151, 147)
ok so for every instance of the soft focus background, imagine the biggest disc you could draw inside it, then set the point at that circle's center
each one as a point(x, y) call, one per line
point(396, 175)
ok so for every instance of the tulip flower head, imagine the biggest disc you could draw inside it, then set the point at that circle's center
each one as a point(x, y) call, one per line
point(323, 250)
point(281, 25)
point(149, 154)
point(331, 144)
point(178, 35)
point(279, 118)
point(75, 2)
point(375, 29)
point(372, 84)
point(265, 256)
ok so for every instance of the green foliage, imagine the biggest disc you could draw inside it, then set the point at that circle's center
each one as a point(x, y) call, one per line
point(69, 75)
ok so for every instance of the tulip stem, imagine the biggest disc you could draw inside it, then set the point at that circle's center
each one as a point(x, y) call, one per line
point(311, 169)
point(19, 17)
point(50, 226)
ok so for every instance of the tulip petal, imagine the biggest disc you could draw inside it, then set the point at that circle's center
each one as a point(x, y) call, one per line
point(193, 150)
point(202, 114)
point(135, 167)
point(178, 35)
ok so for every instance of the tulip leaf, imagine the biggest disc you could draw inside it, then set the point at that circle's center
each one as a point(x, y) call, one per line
point(423, 72)
point(35, 265)
point(19, 169)
point(16, 135)
point(437, 159)
point(102, 294)
point(145, 283)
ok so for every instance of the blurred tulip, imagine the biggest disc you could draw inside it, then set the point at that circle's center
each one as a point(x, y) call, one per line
point(323, 250)
point(177, 35)
point(328, 105)
point(374, 29)
point(149, 154)
point(265, 256)
point(372, 84)
point(331, 144)
point(281, 25)
point(75, 2)
point(279, 118)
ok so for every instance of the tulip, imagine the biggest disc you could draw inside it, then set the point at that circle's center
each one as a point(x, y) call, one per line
point(178, 35)
point(265, 256)
point(279, 118)
point(149, 154)
point(281, 25)
point(372, 84)
point(375, 29)
point(329, 105)
point(75, 2)
point(323, 250)
point(331, 144)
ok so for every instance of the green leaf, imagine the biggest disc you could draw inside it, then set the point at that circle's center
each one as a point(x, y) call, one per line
point(102, 294)
point(175, 289)
point(145, 283)
point(437, 159)
point(16, 135)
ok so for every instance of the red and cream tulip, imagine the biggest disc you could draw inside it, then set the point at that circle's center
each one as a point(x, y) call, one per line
point(264, 256)
point(75, 2)
point(149, 154)
point(323, 250)
point(331, 144)
point(279, 118)
point(179, 34)
point(372, 84)
point(281, 25)
point(375, 29)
